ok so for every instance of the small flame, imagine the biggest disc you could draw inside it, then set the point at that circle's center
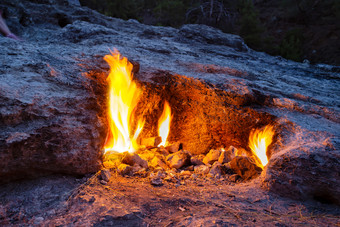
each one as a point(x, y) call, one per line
point(123, 98)
point(164, 123)
point(259, 140)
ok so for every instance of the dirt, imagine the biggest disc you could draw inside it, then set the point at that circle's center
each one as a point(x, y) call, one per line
point(133, 201)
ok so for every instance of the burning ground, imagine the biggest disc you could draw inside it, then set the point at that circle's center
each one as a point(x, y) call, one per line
point(54, 125)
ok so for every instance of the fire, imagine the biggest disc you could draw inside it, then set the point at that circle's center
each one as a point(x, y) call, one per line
point(259, 140)
point(123, 98)
point(164, 123)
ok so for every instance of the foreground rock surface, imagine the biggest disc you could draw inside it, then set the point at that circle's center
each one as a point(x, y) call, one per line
point(305, 171)
point(60, 201)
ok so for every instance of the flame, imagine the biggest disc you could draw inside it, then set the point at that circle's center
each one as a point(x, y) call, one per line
point(123, 98)
point(164, 123)
point(259, 140)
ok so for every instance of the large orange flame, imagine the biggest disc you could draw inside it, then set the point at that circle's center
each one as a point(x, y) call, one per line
point(164, 123)
point(123, 98)
point(259, 140)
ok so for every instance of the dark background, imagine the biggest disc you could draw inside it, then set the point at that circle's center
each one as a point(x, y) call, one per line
point(294, 29)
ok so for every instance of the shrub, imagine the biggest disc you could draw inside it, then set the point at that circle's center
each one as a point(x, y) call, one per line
point(291, 45)
point(250, 26)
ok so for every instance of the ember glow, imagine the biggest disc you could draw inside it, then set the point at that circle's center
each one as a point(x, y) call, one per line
point(259, 140)
point(123, 98)
point(164, 123)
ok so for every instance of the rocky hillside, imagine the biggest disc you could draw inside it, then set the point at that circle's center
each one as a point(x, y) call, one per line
point(51, 119)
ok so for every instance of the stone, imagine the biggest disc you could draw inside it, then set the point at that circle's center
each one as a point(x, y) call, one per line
point(156, 179)
point(125, 169)
point(38, 220)
point(132, 159)
point(201, 169)
point(178, 159)
point(245, 167)
point(105, 175)
point(185, 173)
point(197, 160)
point(227, 168)
point(233, 178)
point(228, 155)
point(305, 171)
point(190, 168)
point(109, 164)
point(161, 150)
point(103, 182)
point(172, 148)
point(201, 32)
point(216, 170)
point(157, 162)
point(212, 156)
point(151, 141)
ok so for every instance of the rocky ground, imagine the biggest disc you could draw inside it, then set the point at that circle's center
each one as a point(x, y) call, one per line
point(53, 122)
point(133, 201)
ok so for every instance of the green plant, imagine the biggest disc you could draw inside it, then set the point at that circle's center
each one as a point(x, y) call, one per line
point(291, 45)
point(170, 12)
point(250, 26)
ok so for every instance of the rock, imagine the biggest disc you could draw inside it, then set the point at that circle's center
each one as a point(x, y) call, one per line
point(186, 173)
point(151, 141)
point(227, 168)
point(190, 168)
point(228, 155)
point(245, 167)
point(103, 182)
point(105, 175)
point(163, 151)
point(216, 170)
point(197, 160)
point(109, 164)
point(157, 162)
point(132, 159)
point(125, 169)
point(233, 178)
point(156, 179)
point(201, 169)
point(178, 159)
point(305, 172)
point(212, 156)
point(202, 32)
point(174, 147)
point(38, 220)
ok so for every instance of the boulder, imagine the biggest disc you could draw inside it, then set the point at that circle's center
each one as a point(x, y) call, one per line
point(178, 159)
point(201, 169)
point(48, 126)
point(216, 170)
point(212, 156)
point(305, 172)
point(228, 155)
point(197, 160)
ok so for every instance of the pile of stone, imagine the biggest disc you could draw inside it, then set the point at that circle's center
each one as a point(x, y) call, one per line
point(174, 164)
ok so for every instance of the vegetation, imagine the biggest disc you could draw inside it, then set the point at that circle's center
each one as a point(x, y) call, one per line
point(233, 16)
point(250, 26)
point(291, 46)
